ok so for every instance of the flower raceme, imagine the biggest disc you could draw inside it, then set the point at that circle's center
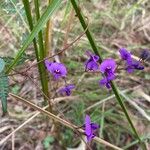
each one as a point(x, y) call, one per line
point(90, 128)
point(67, 89)
point(108, 67)
point(58, 70)
point(91, 64)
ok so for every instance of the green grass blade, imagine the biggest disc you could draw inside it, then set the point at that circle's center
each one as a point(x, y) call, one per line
point(39, 53)
point(143, 138)
point(42, 55)
point(30, 21)
point(2, 64)
point(44, 18)
point(4, 89)
point(120, 101)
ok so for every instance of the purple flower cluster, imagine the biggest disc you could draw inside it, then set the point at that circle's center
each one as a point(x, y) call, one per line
point(58, 70)
point(131, 64)
point(108, 69)
point(108, 66)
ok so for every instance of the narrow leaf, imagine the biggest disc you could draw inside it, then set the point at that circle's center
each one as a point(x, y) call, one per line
point(44, 18)
point(2, 65)
point(4, 88)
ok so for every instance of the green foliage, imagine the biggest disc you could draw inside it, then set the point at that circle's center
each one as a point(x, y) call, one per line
point(4, 88)
point(68, 137)
point(2, 65)
point(9, 60)
point(48, 141)
point(71, 64)
point(15, 89)
point(4, 84)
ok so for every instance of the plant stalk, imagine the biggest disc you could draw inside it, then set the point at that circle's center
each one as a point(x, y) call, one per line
point(42, 55)
point(48, 36)
point(38, 52)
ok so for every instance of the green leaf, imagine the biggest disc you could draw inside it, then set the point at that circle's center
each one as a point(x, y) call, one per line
point(47, 141)
point(22, 59)
point(2, 65)
point(4, 88)
point(44, 18)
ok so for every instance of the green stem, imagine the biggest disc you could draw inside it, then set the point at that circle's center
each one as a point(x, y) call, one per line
point(95, 49)
point(42, 55)
point(48, 35)
point(40, 36)
point(120, 101)
point(39, 54)
point(84, 25)
point(29, 18)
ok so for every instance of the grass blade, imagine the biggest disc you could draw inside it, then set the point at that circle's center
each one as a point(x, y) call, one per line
point(4, 89)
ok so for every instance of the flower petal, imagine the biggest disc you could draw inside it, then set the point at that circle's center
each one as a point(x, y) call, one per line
point(92, 65)
point(88, 129)
point(67, 89)
point(108, 63)
point(95, 126)
point(47, 64)
point(125, 55)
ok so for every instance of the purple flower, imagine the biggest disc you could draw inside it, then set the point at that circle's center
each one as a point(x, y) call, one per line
point(91, 64)
point(105, 82)
point(108, 67)
point(125, 55)
point(90, 128)
point(145, 55)
point(67, 89)
point(58, 70)
point(134, 65)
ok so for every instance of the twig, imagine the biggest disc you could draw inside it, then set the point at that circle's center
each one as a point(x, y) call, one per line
point(13, 140)
point(22, 125)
